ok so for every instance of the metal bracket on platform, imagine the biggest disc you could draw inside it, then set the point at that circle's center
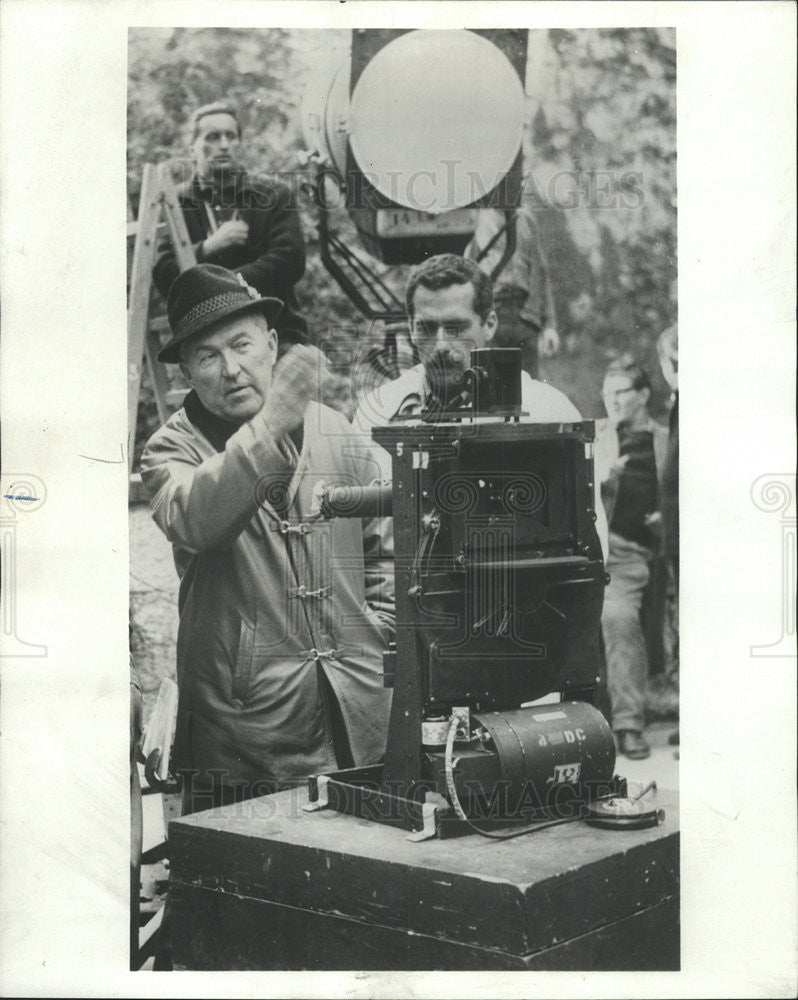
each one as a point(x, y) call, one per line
point(433, 805)
point(322, 799)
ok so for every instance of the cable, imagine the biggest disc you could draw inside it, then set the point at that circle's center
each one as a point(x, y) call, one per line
point(651, 786)
point(449, 769)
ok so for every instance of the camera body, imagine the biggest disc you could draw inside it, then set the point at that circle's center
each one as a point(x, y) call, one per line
point(499, 590)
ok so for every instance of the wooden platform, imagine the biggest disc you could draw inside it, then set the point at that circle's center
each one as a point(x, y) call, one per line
point(264, 885)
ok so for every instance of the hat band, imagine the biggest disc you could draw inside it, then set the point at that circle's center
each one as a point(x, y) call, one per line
point(216, 304)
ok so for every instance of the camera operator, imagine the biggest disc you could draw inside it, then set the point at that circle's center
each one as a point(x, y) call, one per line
point(449, 302)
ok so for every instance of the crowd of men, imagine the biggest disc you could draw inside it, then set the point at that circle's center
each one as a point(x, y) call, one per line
point(283, 620)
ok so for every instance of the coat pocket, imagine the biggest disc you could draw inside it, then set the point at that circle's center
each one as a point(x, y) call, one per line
point(243, 666)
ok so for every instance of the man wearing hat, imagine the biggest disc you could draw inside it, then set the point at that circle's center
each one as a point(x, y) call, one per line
point(283, 618)
point(241, 222)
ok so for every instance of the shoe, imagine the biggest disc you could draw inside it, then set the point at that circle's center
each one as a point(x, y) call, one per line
point(632, 744)
point(673, 739)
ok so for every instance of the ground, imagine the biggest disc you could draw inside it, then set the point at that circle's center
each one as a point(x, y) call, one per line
point(153, 602)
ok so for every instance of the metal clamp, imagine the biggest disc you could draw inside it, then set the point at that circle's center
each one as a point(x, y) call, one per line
point(322, 795)
point(318, 654)
point(431, 522)
point(288, 527)
point(303, 592)
point(434, 804)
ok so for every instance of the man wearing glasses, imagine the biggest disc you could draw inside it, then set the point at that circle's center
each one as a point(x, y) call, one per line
point(629, 457)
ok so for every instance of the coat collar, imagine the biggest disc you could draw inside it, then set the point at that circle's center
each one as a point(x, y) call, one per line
point(219, 431)
point(216, 430)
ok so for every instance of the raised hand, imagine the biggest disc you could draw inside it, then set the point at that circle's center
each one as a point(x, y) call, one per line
point(298, 377)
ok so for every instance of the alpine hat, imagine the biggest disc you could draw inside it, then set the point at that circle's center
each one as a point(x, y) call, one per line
point(202, 296)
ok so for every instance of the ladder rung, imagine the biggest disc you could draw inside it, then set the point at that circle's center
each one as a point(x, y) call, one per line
point(133, 227)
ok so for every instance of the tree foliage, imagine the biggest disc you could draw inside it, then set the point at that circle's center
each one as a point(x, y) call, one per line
point(603, 172)
point(600, 165)
point(174, 70)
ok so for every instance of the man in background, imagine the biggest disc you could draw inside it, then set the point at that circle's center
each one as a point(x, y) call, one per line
point(668, 351)
point(244, 223)
point(629, 457)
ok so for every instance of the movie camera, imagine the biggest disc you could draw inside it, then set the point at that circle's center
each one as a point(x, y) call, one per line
point(499, 590)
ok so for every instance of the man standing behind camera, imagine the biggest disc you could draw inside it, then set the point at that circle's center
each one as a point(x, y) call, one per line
point(450, 308)
point(237, 221)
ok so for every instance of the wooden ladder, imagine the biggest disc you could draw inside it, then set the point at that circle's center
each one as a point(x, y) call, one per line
point(159, 212)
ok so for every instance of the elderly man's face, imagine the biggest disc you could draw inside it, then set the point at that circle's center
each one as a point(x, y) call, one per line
point(230, 367)
point(217, 145)
point(446, 328)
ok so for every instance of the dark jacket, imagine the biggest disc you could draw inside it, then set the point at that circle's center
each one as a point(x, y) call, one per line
point(605, 453)
point(273, 258)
